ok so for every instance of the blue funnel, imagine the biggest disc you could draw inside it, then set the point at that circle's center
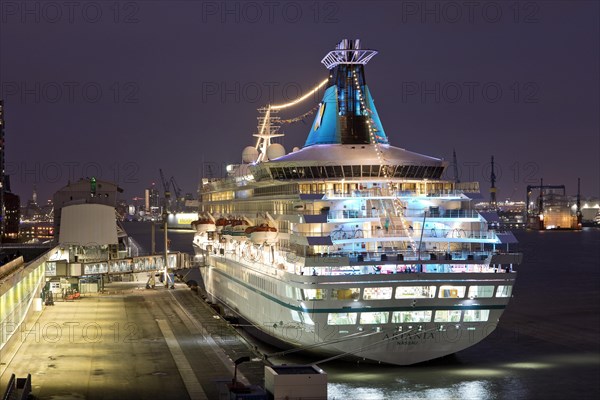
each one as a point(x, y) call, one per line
point(347, 108)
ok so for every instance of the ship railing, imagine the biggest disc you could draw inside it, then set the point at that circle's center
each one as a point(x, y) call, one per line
point(441, 213)
point(401, 233)
point(384, 263)
point(351, 214)
point(343, 214)
point(433, 193)
point(401, 255)
point(375, 213)
point(384, 192)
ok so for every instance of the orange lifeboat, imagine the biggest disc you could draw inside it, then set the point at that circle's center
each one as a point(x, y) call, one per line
point(203, 225)
point(261, 234)
point(221, 223)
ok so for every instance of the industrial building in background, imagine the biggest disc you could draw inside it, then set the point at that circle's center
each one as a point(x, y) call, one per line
point(10, 204)
point(2, 216)
point(552, 208)
point(12, 213)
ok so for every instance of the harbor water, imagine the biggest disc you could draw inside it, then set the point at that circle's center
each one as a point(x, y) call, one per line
point(546, 346)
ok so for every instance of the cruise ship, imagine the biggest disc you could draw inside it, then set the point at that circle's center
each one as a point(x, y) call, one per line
point(350, 247)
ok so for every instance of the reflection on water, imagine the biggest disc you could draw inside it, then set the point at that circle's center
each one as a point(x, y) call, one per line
point(465, 390)
point(545, 347)
point(554, 376)
point(181, 240)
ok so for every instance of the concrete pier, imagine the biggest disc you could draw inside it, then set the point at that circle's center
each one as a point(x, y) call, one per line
point(129, 342)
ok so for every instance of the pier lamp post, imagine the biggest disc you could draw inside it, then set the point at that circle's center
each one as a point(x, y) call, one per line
point(165, 216)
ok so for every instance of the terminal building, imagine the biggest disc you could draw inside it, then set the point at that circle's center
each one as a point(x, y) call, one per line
point(84, 191)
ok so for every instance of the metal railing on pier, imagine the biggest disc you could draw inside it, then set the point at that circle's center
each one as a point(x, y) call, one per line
point(17, 388)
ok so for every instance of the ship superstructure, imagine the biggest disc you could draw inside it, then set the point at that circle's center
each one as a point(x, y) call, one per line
point(350, 246)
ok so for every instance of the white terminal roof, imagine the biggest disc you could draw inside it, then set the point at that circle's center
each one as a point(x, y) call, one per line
point(357, 154)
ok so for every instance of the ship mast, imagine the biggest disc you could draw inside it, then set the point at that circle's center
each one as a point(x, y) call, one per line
point(268, 128)
point(269, 123)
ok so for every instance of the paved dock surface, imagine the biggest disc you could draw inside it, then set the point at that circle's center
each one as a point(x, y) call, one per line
point(129, 343)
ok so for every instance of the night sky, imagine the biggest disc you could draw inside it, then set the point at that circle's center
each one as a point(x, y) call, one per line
point(118, 90)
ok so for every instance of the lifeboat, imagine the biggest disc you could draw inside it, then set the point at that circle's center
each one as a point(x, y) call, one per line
point(235, 230)
point(262, 233)
point(202, 225)
point(221, 223)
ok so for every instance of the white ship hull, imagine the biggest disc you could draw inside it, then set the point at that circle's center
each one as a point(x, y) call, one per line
point(304, 324)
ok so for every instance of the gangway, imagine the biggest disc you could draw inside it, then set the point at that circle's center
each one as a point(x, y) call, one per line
point(154, 263)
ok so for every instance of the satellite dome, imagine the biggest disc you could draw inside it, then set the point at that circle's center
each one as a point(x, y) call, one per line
point(249, 155)
point(275, 150)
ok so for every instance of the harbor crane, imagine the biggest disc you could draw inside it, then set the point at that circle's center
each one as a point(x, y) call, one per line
point(179, 200)
point(167, 192)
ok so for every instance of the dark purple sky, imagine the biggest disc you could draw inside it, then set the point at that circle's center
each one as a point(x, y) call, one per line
point(118, 92)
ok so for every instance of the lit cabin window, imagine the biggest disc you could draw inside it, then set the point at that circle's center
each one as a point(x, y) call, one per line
point(504, 291)
point(377, 293)
point(374, 317)
point(399, 317)
point(346, 294)
point(341, 318)
point(476, 315)
point(307, 319)
point(296, 316)
point(447, 316)
point(315, 294)
point(481, 291)
point(457, 292)
point(415, 292)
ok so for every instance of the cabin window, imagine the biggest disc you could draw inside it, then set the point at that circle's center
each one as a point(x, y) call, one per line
point(307, 319)
point(346, 294)
point(456, 292)
point(296, 316)
point(341, 318)
point(380, 317)
point(481, 291)
point(315, 294)
point(399, 317)
point(377, 293)
point(415, 292)
point(447, 316)
point(476, 315)
point(504, 291)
